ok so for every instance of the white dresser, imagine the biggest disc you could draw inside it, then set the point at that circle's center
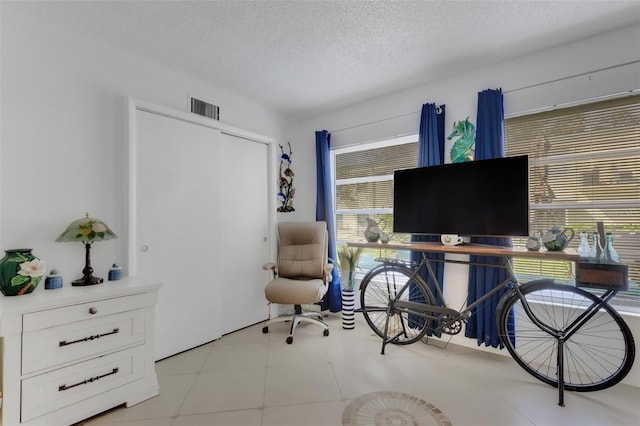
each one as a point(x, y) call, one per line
point(73, 352)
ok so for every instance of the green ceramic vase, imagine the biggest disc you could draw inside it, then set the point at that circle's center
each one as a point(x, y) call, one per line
point(20, 272)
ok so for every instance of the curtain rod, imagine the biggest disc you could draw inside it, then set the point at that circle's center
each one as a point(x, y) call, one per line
point(373, 122)
point(504, 92)
point(438, 111)
point(571, 76)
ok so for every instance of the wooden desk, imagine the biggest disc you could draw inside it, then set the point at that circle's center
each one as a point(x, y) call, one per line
point(569, 255)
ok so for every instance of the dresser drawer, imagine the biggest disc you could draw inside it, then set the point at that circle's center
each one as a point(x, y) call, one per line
point(54, 346)
point(81, 312)
point(61, 388)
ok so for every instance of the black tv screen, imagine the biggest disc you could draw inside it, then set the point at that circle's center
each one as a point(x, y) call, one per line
point(475, 198)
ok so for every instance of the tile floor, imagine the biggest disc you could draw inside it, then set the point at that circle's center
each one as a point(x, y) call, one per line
point(248, 378)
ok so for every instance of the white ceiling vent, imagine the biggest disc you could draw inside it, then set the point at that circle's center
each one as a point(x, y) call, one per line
point(205, 109)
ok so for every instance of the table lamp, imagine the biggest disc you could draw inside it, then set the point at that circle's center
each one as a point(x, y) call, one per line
point(87, 230)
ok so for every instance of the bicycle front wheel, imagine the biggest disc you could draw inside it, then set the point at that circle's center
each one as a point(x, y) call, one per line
point(379, 289)
point(597, 356)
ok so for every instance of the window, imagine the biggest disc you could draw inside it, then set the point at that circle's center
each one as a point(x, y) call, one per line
point(583, 169)
point(364, 187)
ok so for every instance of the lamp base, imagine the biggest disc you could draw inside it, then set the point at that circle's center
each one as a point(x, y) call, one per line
point(87, 280)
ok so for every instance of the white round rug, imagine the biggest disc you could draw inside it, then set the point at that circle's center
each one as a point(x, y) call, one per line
point(392, 409)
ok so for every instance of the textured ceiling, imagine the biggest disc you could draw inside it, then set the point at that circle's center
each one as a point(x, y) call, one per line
point(305, 57)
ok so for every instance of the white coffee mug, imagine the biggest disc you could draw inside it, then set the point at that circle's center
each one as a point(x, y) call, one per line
point(451, 239)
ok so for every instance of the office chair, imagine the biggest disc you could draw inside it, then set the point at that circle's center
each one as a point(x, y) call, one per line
point(301, 274)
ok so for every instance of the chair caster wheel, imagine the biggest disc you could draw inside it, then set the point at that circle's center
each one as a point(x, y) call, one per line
point(289, 340)
point(265, 330)
point(326, 332)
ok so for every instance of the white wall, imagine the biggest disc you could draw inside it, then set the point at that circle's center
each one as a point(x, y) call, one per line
point(525, 82)
point(64, 135)
point(604, 65)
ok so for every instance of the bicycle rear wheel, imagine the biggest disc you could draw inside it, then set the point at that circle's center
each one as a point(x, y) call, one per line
point(379, 288)
point(596, 356)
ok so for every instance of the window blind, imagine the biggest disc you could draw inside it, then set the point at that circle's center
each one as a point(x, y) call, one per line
point(364, 186)
point(584, 168)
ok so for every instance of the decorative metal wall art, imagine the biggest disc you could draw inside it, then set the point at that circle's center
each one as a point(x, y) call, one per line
point(285, 182)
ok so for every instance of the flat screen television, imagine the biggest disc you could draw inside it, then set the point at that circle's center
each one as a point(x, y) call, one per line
point(475, 198)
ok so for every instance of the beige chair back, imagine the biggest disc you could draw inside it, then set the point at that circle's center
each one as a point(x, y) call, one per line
point(303, 250)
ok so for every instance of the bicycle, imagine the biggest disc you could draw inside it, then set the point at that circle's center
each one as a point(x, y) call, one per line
point(544, 325)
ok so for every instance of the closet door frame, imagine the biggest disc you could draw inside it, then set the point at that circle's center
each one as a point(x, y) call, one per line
point(134, 105)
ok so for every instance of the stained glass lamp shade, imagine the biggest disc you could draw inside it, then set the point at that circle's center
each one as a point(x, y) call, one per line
point(87, 230)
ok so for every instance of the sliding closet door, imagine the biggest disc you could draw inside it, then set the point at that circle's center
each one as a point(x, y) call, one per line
point(177, 219)
point(245, 192)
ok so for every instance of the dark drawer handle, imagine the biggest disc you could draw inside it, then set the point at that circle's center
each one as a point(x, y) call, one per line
point(90, 380)
point(86, 339)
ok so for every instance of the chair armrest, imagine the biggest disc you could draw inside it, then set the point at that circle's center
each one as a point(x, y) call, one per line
point(327, 272)
point(268, 266)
